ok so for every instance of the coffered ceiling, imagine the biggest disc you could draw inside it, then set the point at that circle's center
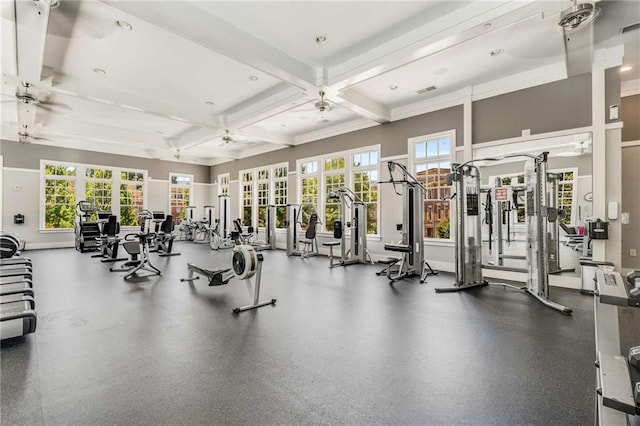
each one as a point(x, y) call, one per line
point(167, 79)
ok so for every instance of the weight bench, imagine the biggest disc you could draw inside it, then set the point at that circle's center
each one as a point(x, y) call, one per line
point(390, 262)
point(331, 245)
point(216, 277)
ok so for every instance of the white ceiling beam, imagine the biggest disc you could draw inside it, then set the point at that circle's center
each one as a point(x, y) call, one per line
point(448, 30)
point(9, 43)
point(194, 136)
point(67, 86)
point(31, 23)
point(335, 130)
point(94, 131)
point(195, 23)
point(267, 136)
point(273, 102)
point(32, 20)
point(360, 104)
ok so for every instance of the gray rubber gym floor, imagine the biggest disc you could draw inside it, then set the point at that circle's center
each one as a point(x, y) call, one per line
point(341, 346)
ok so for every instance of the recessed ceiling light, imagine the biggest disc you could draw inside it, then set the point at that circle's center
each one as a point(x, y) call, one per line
point(626, 68)
point(497, 52)
point(99, 71)
point(440, 71)
point(283, 125)
point(253, 78)
point(159, 132)
point(210, 103)
point(321, 39)
point(486, 25)
point(393, 87)
point(124, 25)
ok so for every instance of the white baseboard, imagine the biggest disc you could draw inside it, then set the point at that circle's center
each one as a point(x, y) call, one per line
point(49, 245)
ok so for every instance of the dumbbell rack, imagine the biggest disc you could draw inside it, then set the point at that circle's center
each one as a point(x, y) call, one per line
point(615, 403)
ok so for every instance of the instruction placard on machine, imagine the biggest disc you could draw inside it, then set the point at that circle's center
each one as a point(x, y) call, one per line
point(500, 194)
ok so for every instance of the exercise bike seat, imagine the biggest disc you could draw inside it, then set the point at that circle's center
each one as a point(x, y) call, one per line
point(132, 247)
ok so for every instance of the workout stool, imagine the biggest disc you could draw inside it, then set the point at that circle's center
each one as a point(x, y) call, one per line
point(331, 245)
point(389, 261)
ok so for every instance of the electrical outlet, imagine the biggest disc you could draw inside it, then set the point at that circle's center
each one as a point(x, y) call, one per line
point(632, 252)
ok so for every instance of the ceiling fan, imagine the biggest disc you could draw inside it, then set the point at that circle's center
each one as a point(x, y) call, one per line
point(321, 106)
point(25, 137)
point(228, 140)
point(577, 28)
point(30, 99)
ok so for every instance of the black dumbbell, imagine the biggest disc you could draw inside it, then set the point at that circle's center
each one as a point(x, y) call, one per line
point(634, 357)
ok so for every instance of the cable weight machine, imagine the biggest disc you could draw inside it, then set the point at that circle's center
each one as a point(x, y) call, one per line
point(468, 239)
point(411, 246)
point(356, 251)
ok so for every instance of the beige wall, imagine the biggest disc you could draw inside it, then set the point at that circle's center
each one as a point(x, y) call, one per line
point(392, 137)
point(631, 205)
point(630, 113)
point(564, 104)
point(28, 156)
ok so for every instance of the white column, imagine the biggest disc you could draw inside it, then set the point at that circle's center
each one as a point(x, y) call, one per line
point(468, 127)
point(607, 151)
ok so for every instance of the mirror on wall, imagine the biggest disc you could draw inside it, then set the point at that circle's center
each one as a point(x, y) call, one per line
point(504, 221)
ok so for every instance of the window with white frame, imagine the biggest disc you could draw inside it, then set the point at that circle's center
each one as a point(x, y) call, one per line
point(262, 187)
point(223, 184)
point(262, 194)
point(59, 184)
point(430, 162)
point(281, 193)
point(180, 194)
point(64, 184)
point(98, 189)
point(334, 179)
point(356, 170)
point(246, 182)
point(365, 185)
point(309, 197)
point(131, 196)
